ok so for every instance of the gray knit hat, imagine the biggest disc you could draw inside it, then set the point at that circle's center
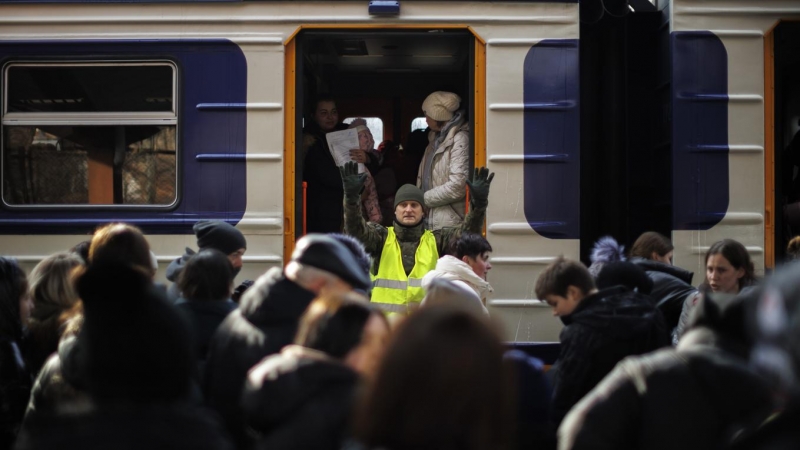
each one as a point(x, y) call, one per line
point(218, 235)
point(441, 105)
point(409, 192)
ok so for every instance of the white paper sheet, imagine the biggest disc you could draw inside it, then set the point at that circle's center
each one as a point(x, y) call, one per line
point(340, 143)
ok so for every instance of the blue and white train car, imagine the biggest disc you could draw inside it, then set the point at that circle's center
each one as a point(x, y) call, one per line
point(164, 113)
point(735, 105)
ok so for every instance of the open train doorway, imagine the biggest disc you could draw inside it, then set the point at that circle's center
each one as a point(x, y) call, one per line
point(381, 76)
point(786, 38)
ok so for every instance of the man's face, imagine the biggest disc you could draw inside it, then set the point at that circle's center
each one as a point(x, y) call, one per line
point(236, 259)
point(408, 213)
point(326, 115)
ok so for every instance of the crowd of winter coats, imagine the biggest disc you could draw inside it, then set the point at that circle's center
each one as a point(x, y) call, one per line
point(95, 354)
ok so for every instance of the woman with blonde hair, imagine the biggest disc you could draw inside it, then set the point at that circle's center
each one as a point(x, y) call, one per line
point(54, 296)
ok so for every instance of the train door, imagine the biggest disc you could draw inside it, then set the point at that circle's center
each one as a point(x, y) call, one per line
point(382, 76)
point(782, 50)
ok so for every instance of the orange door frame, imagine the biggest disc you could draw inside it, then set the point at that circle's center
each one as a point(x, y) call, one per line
point(290, 91)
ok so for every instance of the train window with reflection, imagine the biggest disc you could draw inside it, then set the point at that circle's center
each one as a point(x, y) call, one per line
point(375, 125)
point(419, 124)
point(89, 133)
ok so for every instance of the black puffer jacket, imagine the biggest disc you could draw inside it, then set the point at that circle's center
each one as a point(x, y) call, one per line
point(602, 330)
point(299, 399)
point(671, 286)
point(15, 387)
point(324, 192)
point(265, 322)
point(695, 397)
point(128, 427)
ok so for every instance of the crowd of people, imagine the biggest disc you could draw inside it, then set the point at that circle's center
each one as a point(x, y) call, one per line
point(376, 335)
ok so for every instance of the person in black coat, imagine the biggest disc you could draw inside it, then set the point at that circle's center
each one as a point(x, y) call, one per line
point(324, 194)
point(268, 317)
point(302, 398)
point(15, 379)
point(206, 282)
point(672, 285)
point(135, 356)
point(601, 328)
point(700, 395)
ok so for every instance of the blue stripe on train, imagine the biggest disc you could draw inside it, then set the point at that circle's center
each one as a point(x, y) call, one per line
point(210, 72)
point(551, 146)
point(700, 191)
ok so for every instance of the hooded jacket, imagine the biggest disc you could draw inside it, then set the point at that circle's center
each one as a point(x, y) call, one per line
point(173, 272)
point(671, 286)
point(265, 322)
point(451, 268)
point(602, 330)
point(443, 174)
point(299, 399)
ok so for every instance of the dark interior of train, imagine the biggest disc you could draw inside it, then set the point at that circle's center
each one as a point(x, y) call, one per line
point(383, 76)
point(787, 134)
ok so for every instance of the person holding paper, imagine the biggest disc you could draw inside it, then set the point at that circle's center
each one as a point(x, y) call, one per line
point(369, 198)
point(324, 192)
point(443, 173)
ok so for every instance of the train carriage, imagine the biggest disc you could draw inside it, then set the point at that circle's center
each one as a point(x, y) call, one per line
point(161, 114)
point(735, 105)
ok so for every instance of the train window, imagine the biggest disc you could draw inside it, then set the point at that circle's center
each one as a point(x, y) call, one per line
point(375, 125)
point(89, 134)
point(419, 124)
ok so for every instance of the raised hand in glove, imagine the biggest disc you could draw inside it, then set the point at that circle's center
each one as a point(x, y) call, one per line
point(479, 186)
point(352, 181)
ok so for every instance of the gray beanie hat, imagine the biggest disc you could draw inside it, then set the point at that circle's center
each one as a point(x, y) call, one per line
point(409, 192)
point(441, 105)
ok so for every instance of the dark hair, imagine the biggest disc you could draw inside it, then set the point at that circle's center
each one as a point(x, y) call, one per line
point(82, 249)
point(650, 242)
point(793, 249)
point(121, 243)
point(465, 400)
point(207, 275)
point(470, 244)
point(319, 98)
point(560, 275)
point(334, 324)
point(13, 286)
point(739, 258)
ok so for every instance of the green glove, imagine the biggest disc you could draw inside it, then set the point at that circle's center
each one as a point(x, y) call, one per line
point(479, 186)
point(352, 181)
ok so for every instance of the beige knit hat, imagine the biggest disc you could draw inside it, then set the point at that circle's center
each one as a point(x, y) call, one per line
point(441, 105)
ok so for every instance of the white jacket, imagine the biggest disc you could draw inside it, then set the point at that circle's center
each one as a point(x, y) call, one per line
point(460, 273)
point(444, 200)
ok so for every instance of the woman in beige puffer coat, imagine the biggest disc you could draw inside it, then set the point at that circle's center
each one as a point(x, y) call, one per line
point(445, 166)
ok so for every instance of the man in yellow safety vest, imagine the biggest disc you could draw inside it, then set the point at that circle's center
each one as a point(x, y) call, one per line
point(404, 253)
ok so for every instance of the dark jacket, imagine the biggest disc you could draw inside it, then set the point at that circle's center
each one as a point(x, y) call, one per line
point(265, 322)
point(299, 399)
point(671, 286)
point(324, 192)
point(128, 427)
point(15, 387)
point(173, 271)
point(204, 317)
point(59, 383)
point(602, 330)
point(695, 397)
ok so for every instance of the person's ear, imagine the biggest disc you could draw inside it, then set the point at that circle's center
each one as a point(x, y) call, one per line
point(574, 293)
point(465, 258)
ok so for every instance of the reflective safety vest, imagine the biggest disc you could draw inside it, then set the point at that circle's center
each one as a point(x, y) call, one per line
point(393, 291)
